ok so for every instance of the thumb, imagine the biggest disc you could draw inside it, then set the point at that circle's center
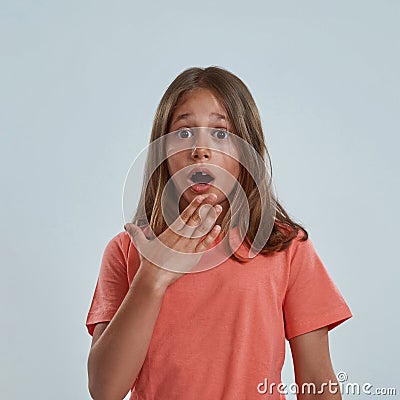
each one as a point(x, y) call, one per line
point(137, 236)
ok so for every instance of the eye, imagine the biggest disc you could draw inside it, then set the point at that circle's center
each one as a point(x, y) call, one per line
point(184, 133)
point(221, 134)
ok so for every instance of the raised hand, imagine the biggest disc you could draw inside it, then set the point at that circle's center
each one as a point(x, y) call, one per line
point(178, 249)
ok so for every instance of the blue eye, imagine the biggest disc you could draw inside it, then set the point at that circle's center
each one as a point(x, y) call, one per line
point(184, 133)
point(221, 134)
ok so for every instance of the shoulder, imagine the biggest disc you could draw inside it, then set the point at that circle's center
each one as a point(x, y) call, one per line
point(299, 251)
point(120, 250)
point(300, 240)
point(122, 253)
point(301, 244)
point(122, 241)
point(119, 243)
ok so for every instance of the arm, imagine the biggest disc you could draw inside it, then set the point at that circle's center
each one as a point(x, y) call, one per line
point(119, 348)
point(312, 365)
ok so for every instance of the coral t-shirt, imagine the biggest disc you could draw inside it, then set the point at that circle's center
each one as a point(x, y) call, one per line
point(220, 333)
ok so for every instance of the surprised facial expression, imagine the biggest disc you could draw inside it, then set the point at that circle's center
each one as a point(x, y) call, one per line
point(203, 157)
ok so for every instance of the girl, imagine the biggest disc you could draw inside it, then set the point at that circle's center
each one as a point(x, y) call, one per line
point(167, 331)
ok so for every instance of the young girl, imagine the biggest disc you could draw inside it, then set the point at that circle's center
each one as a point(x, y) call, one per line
point(167, 329)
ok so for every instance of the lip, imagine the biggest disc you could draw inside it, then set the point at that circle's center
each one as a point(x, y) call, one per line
point(200, 187)
point(200, 169)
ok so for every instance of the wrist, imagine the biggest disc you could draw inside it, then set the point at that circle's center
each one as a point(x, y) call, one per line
point(152, 277)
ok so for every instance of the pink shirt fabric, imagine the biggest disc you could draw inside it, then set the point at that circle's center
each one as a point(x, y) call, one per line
point(221, 332)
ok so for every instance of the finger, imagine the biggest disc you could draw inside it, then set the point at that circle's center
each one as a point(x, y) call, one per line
point(201, 211)
point(136, 234)
point(182, 220)
point(208, 216)
point(197, 219)
point(207, 241)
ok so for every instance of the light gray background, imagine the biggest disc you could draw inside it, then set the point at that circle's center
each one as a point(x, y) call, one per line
point(80, 81)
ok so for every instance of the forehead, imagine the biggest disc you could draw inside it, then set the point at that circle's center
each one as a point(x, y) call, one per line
point(199, 101)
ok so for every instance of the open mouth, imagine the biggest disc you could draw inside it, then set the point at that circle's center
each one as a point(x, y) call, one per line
point(201, 177)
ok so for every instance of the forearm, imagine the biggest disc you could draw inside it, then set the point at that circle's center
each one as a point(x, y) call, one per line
point(315, 376)
point(116, 358)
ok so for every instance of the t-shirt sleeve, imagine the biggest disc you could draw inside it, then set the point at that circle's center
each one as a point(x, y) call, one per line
point(312, 300)
point(112, 285)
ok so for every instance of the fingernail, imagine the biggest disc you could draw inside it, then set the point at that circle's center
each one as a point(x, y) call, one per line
point(200, 199)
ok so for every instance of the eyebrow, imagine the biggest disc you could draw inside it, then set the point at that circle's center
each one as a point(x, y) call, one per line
point(186, 115)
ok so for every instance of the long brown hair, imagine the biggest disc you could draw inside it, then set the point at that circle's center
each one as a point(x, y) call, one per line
point(246, 124)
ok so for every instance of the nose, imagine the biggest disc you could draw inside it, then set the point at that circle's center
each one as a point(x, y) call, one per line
point(201, 153)
point(201, 149)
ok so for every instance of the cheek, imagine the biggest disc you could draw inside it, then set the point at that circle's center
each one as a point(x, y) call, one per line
point(233, 166)
point(237, 168)
point(232, 161)
point(173, 165)
point(229, 179)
